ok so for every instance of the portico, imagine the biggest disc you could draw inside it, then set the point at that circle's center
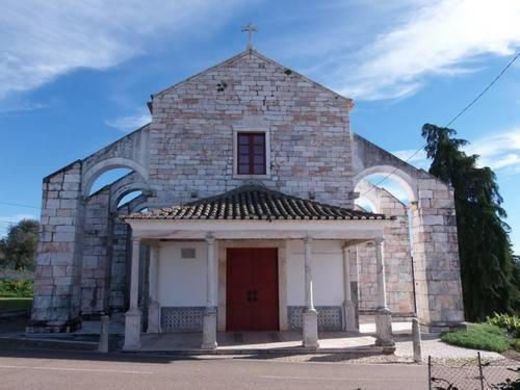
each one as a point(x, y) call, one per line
point(205, 272)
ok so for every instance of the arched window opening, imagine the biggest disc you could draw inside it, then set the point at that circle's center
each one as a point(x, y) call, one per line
point(367, 193)
point(108, 178)
point(129, 197)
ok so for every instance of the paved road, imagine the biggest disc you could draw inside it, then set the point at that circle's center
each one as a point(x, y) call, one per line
point(79, 370)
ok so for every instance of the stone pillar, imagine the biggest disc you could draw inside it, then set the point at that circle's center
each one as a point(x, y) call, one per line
point(383, 315)
point(133, 315)
point(154, 310)
point(56, 304)
point(209, 330)
point(437, 266)
point(349, 309)
point(310, 315)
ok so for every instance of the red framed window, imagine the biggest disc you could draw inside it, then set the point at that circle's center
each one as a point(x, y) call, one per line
point(251, 154)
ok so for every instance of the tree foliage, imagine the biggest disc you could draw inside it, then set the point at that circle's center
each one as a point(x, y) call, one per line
point(490, 276)
point(19, 246)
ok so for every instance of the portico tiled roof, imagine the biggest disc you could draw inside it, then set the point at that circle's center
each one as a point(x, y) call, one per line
point(254, 202)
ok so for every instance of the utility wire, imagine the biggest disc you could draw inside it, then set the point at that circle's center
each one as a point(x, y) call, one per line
point(19, 205)
point(460, 113)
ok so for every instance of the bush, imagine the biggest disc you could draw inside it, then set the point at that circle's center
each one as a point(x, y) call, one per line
point(509, 322)
point(479, 336)
point(515, 344)
point(11, 304)
point(16, 288)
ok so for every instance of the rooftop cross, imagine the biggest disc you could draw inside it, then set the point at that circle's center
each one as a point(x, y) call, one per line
point(250, 28)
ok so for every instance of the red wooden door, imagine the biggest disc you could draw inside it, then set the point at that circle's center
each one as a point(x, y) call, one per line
point(252, 289)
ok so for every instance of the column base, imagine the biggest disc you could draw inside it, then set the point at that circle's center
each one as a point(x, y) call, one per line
point(154, 317)
point(132, 330)
point(209, 330)
point(310, 329)
point(384, 336)
point(350, 316)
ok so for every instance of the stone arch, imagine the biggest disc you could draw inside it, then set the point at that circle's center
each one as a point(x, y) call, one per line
point(103, 166)
point(140, 203)
point(120, 192)
point(407, 182)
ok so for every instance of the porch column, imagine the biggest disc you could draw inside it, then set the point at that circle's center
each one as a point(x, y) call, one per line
point(383, 315)
point(310, 316)
point(209, 330)
point(349, 309)
point(154, 312)
point(133, 315)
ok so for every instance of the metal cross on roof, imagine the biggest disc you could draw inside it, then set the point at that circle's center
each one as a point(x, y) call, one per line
point(250, 28)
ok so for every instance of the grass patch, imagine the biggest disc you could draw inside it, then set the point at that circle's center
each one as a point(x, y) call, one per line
point(16, 288)
point(8, 304)
point(479, 336)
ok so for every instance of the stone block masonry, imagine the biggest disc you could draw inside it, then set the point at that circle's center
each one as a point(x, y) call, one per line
point(188, 152)
point(56, 303)
point(398, 258)
point(307, 125)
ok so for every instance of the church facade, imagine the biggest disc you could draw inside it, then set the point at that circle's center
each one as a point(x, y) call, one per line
point(246, 220)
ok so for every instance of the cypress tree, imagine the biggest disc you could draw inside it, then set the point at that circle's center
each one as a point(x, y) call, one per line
point(489, 273)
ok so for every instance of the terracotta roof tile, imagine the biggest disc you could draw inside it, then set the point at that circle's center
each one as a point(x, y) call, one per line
point(253, 202)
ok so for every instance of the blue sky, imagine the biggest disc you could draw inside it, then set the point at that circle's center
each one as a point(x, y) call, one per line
point(75, 76)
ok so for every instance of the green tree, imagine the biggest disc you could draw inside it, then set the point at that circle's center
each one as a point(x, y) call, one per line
point(488, 271)
point(19, 246)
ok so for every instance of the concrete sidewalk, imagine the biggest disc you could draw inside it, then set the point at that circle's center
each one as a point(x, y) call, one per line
point(261, 342)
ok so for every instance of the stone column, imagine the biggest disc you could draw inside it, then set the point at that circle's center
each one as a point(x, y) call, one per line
point(383, 316)
point(133, 315)
point(310, 315)
point(209, 330)
point(154, 310)
point(349, 309)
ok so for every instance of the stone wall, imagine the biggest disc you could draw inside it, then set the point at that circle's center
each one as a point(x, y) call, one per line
point(434, 235)
point(97, 248)
point(56, 303)
point(397, 257)
point(439, 289)
point(120, 262)
point(191, 135)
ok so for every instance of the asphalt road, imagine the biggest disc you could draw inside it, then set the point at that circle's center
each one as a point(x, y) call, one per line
point(77, 370)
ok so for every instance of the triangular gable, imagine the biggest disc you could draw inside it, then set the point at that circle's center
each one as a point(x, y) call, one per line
point(255, 53)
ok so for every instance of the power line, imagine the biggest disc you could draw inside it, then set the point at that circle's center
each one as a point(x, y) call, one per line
point(511, 62)
point(19, 205)
point(460, 113)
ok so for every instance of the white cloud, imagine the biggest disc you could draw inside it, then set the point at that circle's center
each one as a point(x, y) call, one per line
point(442, 37)
point(40, 39)
point(500, 151)
point(21, 106)
point(130, 122)
point(6, 221)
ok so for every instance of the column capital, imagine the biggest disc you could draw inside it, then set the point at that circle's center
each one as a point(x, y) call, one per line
point(307, 239)
point(210, 239)
point(379, 240)
point(136, 240)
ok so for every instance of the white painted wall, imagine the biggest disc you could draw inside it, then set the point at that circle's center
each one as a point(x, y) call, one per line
point(182, 282)
point(327, 273)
